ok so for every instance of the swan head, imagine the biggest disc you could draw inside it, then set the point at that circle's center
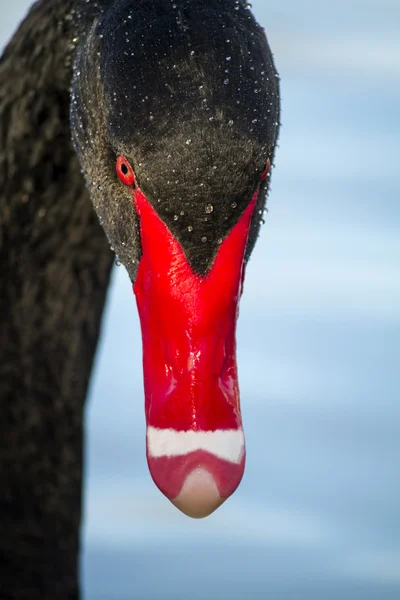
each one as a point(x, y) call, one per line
point(174, 117)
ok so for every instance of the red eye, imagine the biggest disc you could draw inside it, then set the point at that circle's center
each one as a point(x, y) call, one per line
point(266, 171)
point(125, 171)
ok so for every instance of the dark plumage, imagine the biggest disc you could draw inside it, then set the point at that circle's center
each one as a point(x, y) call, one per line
point(187, 91)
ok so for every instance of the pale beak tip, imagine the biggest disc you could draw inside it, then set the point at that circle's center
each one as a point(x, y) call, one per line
point(199, 496)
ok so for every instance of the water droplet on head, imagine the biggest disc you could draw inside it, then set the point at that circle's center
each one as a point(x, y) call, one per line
point(204, 238)
point(190, 228)
point(234, 204)
point(209, 208)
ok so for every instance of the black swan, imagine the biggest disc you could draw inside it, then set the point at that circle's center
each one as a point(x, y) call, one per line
point(173, 111)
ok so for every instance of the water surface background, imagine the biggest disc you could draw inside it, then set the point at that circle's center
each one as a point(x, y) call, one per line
point(318, 512)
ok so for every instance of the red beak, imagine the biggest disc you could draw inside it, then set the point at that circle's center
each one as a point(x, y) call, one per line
point(195, 440)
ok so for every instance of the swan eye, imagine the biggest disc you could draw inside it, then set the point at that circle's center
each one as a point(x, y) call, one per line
point(266, 171)
point(125, 171)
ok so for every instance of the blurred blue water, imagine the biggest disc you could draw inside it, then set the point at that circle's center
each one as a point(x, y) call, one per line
point(317, 515)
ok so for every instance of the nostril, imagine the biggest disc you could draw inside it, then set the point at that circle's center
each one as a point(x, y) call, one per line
point(228, 374)
point(171, 380)
point(169, 357)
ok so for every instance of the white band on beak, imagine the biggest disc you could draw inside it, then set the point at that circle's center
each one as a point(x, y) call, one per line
point(226, 444)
